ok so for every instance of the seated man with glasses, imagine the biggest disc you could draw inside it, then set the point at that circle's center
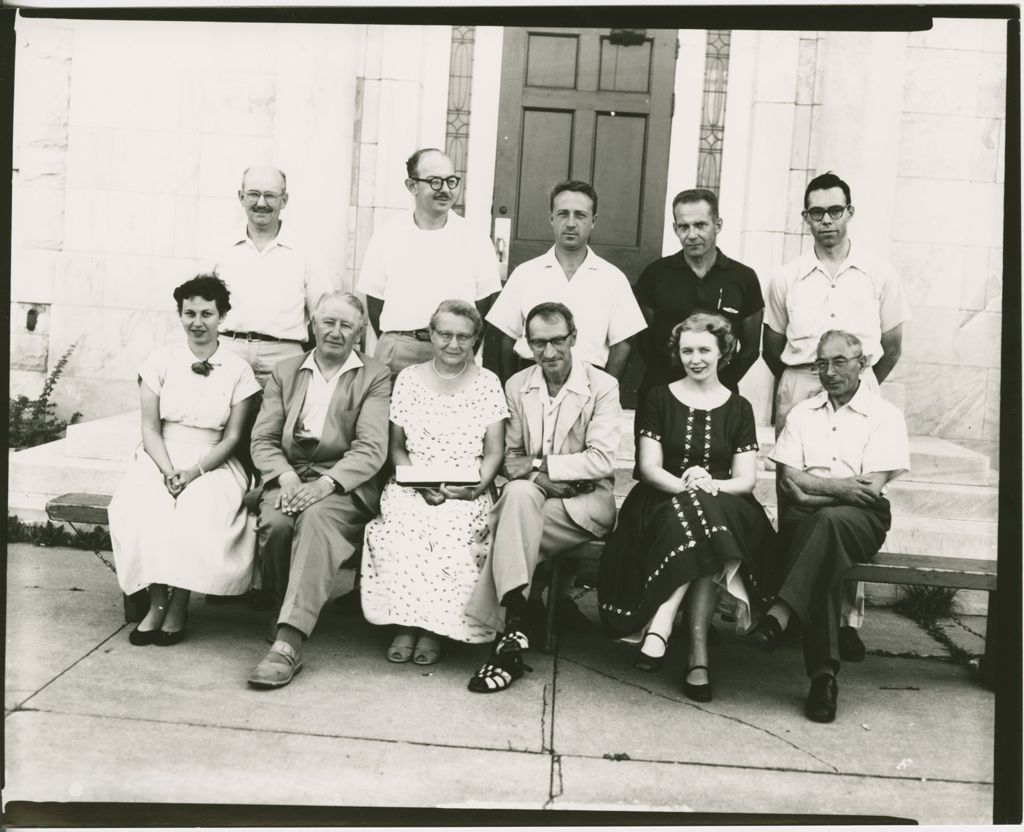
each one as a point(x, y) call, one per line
point(560, 447)
point(274, 281)
point(428, 256)
point(835, 455)
point(831, 286)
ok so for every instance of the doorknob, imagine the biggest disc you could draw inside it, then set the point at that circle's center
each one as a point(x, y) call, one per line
point(502, 239)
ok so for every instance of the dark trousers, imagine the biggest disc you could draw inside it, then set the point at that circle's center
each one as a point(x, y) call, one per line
point(818, 546)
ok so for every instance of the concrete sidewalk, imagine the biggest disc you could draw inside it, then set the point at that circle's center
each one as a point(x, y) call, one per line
point(90, 718)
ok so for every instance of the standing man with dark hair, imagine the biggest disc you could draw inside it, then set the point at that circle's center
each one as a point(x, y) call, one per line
point(832, 286)
point(274, 283)
point(428, 256)
point(698, 277)
point(597, 292)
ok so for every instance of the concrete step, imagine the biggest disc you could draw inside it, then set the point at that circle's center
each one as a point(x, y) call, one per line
point(46, 471)
point(112, 438)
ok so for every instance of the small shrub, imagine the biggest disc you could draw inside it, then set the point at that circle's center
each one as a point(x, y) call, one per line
point(33, 422)
point(47, 534)
point(926, 604)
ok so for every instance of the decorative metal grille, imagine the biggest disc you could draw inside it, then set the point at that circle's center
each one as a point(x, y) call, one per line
point(460, 80)
point(712, 122)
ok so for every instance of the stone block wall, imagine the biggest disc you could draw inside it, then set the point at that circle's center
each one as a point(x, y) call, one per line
point(130, 140)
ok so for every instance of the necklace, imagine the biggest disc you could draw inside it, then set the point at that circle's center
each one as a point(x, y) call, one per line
point(433, 366)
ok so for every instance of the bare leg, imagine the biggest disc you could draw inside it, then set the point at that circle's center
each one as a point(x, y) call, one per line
point(661, 623)
point(158, 596)
point(699, 609)
point(177, 610)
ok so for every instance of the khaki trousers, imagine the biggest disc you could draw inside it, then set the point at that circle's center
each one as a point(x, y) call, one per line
point(527, 527)
point(401, 351)
point(302, 553)
point(262, 356)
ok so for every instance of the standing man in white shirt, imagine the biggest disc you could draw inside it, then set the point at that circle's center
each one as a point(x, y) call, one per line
point(831, 287)
point(597, 292)
point(274, 284)
point(428, 256)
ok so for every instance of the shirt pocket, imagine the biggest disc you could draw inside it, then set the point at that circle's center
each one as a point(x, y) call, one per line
point(731, 301)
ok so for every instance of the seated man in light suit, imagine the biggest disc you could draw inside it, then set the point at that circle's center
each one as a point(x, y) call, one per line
point(319, 440)
point(560, 447)
point(835, 456)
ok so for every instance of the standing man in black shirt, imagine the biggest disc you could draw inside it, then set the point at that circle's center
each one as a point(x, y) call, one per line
point(698, 277)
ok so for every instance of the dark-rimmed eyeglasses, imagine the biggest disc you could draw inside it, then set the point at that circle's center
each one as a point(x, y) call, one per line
point(202, 368)
point(539, 344)
point(818, 214)
point(840, 363)
point(435, 182)
point(270, 197)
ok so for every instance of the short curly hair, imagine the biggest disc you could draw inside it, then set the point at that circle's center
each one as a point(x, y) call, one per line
point(717, 325)
point(207, 287)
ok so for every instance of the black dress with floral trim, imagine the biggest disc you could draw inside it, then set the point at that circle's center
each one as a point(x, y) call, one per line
point(663, 541)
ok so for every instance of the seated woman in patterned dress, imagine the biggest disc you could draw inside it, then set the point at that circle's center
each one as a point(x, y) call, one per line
point(424, 553)
point(177, 522)
point(691, 526)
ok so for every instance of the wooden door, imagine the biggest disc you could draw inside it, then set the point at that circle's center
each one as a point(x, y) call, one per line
point(590, 104)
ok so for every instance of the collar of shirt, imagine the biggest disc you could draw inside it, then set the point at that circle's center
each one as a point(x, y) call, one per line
point(722, 263)
point(863, 400)
point(590, 262)
point(576, 383)
point(353, 362)
point(282, 239)
point(809, 264)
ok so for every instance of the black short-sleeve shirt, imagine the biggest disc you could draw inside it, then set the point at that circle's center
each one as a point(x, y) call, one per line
point(670, 288)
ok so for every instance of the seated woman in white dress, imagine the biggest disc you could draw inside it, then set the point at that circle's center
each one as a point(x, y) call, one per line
point(177, 522)
point(424, 553)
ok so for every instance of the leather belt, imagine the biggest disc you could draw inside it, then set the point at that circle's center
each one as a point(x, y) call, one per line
point(418, 334)
point(257, 336)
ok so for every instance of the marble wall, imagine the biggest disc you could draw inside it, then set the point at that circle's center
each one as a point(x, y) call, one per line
point(130, 139)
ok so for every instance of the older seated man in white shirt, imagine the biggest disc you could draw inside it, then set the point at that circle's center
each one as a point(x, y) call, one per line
point(835, 456)
point(319, 441)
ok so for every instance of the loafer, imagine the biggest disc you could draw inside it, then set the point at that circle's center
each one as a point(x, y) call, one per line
point(821, 699)
point(571, 617)
point(765, 635)
point(277, 668)
point(141, 638)
point(168, 639)
point(851, 648)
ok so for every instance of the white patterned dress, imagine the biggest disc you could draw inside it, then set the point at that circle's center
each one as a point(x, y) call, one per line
point(204, 540)
point(421, 562)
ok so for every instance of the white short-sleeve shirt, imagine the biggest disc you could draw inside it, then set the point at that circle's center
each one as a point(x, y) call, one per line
point(272, 291)
point(864, 298)
point(598, 295)
point(413, 269)
point(864, 436)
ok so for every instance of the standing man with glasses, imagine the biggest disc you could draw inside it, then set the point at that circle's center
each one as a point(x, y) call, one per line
point(274, 283)
point(830, 287)
point(428, 256)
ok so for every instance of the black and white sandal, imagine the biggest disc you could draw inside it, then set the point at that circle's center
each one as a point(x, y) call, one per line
point(498, 673)
point(513, 641)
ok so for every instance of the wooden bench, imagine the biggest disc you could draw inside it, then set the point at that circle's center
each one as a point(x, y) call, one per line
point(886, 568)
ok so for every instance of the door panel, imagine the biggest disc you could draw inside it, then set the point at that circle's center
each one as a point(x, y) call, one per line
point(546, 155)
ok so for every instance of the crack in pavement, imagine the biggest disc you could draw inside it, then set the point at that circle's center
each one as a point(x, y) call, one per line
point(728, 717)
point(556, 786)
point(545, 744)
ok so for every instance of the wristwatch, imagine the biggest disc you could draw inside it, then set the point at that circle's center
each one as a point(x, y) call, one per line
point(335, 486)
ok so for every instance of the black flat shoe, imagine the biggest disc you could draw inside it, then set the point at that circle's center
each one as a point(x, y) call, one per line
point(851, 648)
point(698, 693)
point(765, 635)
point(166, 639)
point(141, 638)
point(821, 699)
point(645, 662)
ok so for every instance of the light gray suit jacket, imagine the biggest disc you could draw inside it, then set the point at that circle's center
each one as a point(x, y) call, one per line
point(586, 437)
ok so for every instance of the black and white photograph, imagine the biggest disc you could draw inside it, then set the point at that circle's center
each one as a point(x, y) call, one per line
point(514, 415)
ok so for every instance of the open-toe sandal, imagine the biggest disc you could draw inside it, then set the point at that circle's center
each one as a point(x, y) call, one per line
point(646, 662)
point(498, 673)
point(401, 648)
point(428, 651)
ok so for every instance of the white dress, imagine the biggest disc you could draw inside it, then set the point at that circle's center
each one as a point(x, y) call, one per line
point(421, 562)
point(203, 540)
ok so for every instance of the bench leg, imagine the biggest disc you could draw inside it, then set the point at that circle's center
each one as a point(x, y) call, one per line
point(551, 626)
point(136, 606)
point(987, 665)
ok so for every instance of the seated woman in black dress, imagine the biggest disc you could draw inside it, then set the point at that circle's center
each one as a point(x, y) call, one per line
point(691, 525)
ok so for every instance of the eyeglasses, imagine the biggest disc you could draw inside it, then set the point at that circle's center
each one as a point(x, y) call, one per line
point(818, 214)
point(539, 344)
point(840, 363)
point(202, 368)
point(436, 182)
point(270, 197)
point(460, 338)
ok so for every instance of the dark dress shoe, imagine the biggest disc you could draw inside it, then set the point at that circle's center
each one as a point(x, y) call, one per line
point(698, 693)
point(851, 648)
point(166, 639)
point(140, 638)
point(570, 617)
point(646, 662)
point(821, 700)
point(766, 635)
